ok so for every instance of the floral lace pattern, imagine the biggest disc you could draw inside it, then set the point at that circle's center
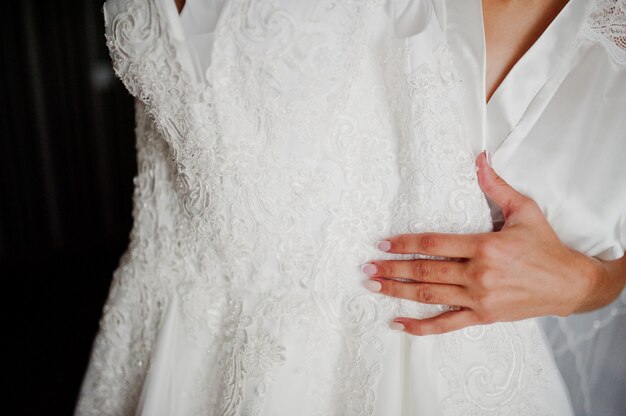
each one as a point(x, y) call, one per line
point(607, 25)
point(263, 185)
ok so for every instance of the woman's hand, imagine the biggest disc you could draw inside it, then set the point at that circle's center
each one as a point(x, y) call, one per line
point(522, 271)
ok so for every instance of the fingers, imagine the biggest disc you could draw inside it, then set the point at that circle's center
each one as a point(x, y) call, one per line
point(430, 293)
point(430, 271)
point(497, 189)
point(440, 324)
point(433, 244)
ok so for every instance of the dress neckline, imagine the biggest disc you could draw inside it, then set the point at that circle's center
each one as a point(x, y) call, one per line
point(173, 24)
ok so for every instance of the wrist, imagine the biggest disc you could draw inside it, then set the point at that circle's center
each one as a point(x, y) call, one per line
point(593, 276)
point(589, 273)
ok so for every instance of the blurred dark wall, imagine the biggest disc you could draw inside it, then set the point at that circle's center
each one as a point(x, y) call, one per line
point(67, 159)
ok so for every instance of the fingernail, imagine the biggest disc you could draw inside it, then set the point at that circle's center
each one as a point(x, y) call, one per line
point(488, 157)
point(383, 245)
point(373, 285)
point(396, 325)
point(369, 268)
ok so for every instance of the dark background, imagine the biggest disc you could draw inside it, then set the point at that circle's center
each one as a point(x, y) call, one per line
point(67, 160)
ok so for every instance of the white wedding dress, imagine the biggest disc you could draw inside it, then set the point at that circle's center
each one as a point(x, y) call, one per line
point(267, 172)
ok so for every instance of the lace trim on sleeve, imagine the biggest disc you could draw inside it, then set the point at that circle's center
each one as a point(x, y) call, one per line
point(606, 24)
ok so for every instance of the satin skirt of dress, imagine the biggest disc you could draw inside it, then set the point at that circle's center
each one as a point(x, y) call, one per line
point(418, 376)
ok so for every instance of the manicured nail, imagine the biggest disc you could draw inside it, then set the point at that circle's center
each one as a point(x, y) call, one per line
point(373, 285)
point(369, 268)
point(396, 325)
point(383, 245)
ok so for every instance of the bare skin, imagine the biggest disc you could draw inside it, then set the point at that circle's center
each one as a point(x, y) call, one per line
point(523, 270)
point(179, 5)
point(511, 28)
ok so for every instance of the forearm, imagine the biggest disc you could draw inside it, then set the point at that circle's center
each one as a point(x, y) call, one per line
point(607, 280)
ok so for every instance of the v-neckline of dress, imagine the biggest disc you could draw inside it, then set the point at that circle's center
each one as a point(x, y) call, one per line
point(174, 26)
point(494, 121)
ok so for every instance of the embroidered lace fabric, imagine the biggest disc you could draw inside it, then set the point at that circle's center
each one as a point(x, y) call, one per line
point(263, 185)
point(607, 25)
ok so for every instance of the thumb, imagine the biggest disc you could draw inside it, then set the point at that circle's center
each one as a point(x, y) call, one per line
point(497, 189)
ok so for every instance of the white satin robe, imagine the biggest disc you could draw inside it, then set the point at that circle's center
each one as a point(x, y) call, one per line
point(556, 127)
